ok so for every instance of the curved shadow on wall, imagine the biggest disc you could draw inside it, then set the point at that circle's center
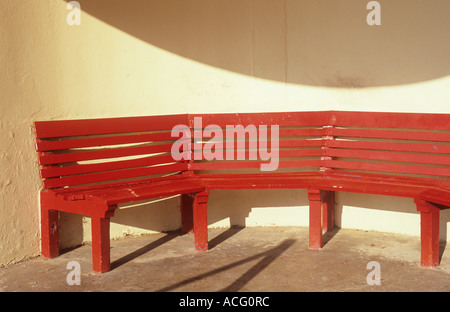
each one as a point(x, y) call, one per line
point(316, 43)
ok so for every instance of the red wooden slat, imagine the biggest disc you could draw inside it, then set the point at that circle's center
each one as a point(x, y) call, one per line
point(49, 172)
point(390, 146)
point(281, 153)
point(48, 159)
point(390, 134)
point(45, 145)
point(390, 156)
point(388, 168)
point(286, 119)
point(113, 175)
point(120, 184)
point(66, 128)
point(229, 165)
point(390, 120)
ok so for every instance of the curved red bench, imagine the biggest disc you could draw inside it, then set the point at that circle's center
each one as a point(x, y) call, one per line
point(398, 154)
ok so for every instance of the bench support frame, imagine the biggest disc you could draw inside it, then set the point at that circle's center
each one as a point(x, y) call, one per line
point(321, 215)
point(429, 233)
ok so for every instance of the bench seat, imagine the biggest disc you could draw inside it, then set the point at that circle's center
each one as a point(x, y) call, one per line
point(120, 193)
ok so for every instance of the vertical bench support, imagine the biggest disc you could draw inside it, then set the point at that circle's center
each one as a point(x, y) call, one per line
point(321, 216)
point(100, 244)
point(49, 228)
point(100, 226)
point(429, 233)
point(201, 221)
point(315, 219)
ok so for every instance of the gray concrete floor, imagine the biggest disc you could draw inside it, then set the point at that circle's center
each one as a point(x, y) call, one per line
point(275, 259)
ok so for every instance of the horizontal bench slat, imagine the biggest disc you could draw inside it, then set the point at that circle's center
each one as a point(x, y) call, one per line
point(48, 159)
point(246, 153)
point(390, 120)
point(227, 165)
point(388, 168)
point(46, 145)
point(67, 128)
point(390, 146)
point(389, 134)
point(113, 175)
point(390, 156)
point(283, 119)
point(49, 172)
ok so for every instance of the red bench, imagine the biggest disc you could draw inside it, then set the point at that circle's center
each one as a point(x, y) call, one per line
point(396, 154)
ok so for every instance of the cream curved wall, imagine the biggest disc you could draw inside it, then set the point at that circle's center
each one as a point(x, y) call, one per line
point(142, 57)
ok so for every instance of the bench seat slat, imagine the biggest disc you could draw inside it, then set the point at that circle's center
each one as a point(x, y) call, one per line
point(142, 191)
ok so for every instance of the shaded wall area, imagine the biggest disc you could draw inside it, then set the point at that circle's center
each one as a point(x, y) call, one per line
point(315, 43)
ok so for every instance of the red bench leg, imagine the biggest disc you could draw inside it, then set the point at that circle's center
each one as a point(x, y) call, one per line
point(429, 233)
point(201, 221)
point(328, 211)
point(49, 233)
point(186, 210)
point(315, 219)
point(100, 244)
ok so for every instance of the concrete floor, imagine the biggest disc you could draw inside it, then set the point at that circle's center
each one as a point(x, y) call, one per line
point(275, 259)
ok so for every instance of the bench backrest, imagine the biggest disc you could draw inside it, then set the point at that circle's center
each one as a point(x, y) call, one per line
point(392, 143)
point(79, 152)
point(93, 151)
point(406, 144)
point(299, 139)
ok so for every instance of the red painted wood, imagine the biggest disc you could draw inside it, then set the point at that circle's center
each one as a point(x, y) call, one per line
point(201, 221)
point(113, 175)
point(390, 156)
point(429, 233)
point(49, 229)
point(286, 119)
point(100, 244)
point(391, 134)
point(51, 171)
point(390, 120)
point(315, 219)
point(391, 146)
point(389, 168)
point(52, 145)
point(68, 128)
point(49, 159)
point(253, 164)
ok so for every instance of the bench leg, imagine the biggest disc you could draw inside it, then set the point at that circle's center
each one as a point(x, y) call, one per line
point(429, 233)
point(100, 244)
point(49, 233)
point(186, 210)
point(201, 221)
point(315, 219)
